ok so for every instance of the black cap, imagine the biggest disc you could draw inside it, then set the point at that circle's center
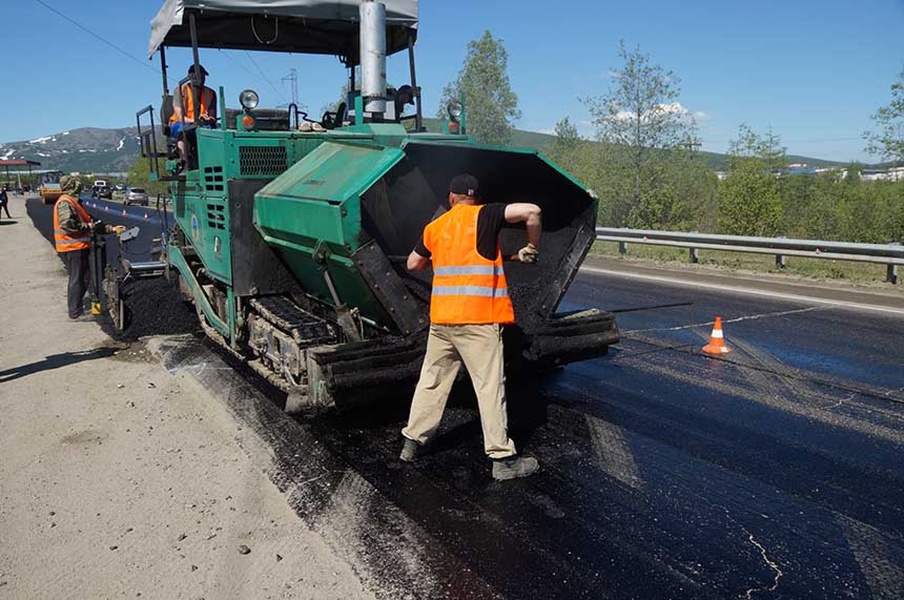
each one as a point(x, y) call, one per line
point(191, 69)
point(466, 185)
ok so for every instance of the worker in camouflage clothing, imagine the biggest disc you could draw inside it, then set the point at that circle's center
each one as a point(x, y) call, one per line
point(72, 227)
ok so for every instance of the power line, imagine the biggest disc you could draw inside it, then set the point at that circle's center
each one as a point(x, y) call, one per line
point(236, 61)
point(264, 75)
point(104, 40)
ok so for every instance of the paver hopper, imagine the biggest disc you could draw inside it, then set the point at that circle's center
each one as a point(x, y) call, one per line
point(344, 219)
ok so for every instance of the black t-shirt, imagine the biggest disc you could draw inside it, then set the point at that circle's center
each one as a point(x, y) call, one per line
point(490, 221)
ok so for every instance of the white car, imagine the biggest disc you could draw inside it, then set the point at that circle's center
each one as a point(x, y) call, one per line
point(136, 196)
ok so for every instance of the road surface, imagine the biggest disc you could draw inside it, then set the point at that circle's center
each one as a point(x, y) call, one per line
point(773, 472)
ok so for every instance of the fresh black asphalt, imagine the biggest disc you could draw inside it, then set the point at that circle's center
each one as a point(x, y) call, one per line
point(774, 472)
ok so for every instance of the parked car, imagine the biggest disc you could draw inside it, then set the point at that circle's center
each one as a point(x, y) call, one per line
point(102, 191)
point(137, 196)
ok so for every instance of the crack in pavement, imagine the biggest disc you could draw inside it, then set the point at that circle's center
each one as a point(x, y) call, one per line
point(772, 565)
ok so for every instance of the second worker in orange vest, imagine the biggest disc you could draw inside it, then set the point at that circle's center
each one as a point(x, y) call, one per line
point(72, 226)
point(184, 111)
point(469, 305)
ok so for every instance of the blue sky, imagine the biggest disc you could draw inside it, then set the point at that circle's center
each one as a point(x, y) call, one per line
point(812, 71)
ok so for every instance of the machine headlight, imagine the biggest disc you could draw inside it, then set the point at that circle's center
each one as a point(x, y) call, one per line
point(455, 109)
point(249, 99)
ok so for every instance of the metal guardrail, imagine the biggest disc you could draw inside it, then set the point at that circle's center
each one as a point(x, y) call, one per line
point(890, 255)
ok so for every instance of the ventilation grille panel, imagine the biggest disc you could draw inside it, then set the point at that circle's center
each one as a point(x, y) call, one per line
point(213, 179)
point(262, 160)
point(216, 219)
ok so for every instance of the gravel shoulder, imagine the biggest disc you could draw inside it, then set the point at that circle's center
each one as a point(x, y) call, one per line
point(121, 479)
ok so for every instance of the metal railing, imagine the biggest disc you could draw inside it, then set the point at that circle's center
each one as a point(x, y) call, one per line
point(890, 255)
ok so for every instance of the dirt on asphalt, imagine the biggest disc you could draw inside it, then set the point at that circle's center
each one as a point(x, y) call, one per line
point(117, 477)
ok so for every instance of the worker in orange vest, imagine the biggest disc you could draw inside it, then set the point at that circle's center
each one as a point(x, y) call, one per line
point(469, 306)
point(184, 112)
point(72, 227)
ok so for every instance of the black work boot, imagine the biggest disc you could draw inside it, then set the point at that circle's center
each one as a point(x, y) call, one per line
point(410, 451)
point(513, 467)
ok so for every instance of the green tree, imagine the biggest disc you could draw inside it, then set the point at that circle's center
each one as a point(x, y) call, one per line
point(750, 201)
point(640, 114)
point(568, 149)
point(483, 82)
point(888, 141)
point(567, 138)
point(766, 148)
point(139, 176)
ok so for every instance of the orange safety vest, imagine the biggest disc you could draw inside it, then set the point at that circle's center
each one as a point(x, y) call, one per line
point(62, 239)
point(188, 103)
point(468, 289)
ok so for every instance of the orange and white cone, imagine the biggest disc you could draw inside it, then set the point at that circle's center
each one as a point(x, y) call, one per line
point(716, 343)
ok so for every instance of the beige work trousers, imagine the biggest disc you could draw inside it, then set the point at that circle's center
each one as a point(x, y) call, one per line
point(479, 347)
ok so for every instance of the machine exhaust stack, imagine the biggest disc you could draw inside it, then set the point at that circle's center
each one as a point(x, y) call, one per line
point(373, 56)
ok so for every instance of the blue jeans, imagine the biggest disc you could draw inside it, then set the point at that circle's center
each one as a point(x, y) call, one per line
point(176, 128)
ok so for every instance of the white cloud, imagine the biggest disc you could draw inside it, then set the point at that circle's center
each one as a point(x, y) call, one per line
point(672, 108)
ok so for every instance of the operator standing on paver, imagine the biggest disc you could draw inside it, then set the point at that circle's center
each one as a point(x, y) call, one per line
point(468, 307)
point(72, 227)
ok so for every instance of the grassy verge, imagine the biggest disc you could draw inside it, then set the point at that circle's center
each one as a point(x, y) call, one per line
point(809, 268)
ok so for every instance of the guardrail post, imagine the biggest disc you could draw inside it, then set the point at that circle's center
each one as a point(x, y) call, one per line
point(779, 261)
point(891, 273)
point(622, 248)
point(693, 256)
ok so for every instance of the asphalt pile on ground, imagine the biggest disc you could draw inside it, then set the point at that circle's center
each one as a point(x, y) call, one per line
point(157, 309)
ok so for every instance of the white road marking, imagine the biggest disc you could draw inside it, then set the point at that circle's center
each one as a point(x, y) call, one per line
point(748, 291)
point(735, 320)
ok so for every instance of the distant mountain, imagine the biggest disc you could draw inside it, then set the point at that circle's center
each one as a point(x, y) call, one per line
point(717, 162)
point(86, 150)
point(92, 150)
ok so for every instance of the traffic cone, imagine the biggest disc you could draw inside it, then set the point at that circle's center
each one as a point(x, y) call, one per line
point(123, 212)
point(716, 343)
point(145, 216)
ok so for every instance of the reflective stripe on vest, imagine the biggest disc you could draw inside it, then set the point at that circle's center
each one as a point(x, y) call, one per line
point(473, 270)
point(188, 103)
point(63, 240)
point(468, 289)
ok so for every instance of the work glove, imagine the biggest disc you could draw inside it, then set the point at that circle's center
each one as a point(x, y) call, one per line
point(528, 254)
point(117, 229)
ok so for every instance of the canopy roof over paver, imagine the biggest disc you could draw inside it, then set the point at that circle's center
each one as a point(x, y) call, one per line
point(302, 26)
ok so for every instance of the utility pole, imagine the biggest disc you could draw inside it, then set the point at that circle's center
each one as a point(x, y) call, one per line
point(293, 78)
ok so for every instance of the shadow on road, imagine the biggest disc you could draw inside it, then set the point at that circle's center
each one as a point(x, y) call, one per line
point(54, 361)
point(8, 222)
